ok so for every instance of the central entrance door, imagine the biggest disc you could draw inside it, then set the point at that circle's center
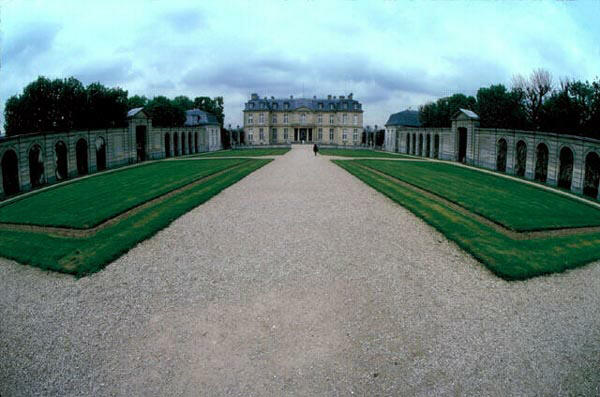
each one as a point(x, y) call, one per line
point(462, 145)
point(303, 134)
point(140, 141)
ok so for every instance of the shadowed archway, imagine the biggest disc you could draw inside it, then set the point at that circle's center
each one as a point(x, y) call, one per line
point(100, 154)
point(501, 156)
point(521, 163)
point(10, 173)
point(62, 166)
point(36, 166)
point(81, 153)
point(592, 175)
point(565, 170)
point(541, 163)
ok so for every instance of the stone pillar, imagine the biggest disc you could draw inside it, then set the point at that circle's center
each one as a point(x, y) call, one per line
point(578, 170)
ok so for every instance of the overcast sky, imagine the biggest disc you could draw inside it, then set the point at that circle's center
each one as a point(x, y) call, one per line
point(391, 54)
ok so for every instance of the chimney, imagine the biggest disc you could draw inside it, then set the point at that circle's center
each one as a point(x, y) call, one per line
point(334, 97)
point(314, 97)
point(272, 97)
point(291, 97)
point(254, 96)
point(329, 97)
point(341, 97)
point(350, 96)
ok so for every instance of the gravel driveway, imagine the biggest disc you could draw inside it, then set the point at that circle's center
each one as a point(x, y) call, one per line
point(298, 280)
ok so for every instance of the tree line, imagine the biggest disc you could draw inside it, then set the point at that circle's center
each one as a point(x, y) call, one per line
point(66, 104)
point(532, 103)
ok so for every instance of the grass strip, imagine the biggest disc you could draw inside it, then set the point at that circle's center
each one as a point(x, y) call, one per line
point(360, 153)
point(82, 256)
point(246, 152)
point(507, 258)
point(515, 205)
point(87, 202)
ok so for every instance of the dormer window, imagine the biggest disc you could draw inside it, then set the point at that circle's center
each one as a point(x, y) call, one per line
point(345, 105)
point(356, 106)
point(331, 106)
point(320, 106)
point(252, 105)
point(303, 118)
point(286, 105)
point(274, 105)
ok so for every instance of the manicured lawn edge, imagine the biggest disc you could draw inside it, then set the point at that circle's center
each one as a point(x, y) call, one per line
point(507, 258)
point(98, 221)
point(84, 256)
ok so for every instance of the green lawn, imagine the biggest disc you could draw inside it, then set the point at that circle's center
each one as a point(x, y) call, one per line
point(515, 205)
point(247, 152)
point(87, 202)
point(359, 153)
point(81, 256)
point(508, 258)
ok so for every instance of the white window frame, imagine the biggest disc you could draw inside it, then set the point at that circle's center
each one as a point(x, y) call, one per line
point(274, 119)
point(331, 119)
point(261, 118)
point(320, 118)
point(274, 134)
point(250, 118)
point(285, 134)
point(331, 135)
point(320, 134)
point(355, 119)
point(261, 134)
point(285, 118)
point(344, 135)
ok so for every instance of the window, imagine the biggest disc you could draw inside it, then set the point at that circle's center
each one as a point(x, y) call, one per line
point(285, 118)
point(261, 118)
point(345, 105)
point(331, 106)
point(355, 135)
point(320, 118)
point(331, 134)
point(345, 135)
point(331, 119)
point(286, 105)
point(303, 118)
point(262, 105)
point(274, 135)
point(275, 105)
point(344, 118)
point(285, 134)
point(250, 135)
point(261, 134)
point(252, 105)
point(355, 119)
point(274, 119)
point(320, 106)
point(320, 134)
point(356, 106)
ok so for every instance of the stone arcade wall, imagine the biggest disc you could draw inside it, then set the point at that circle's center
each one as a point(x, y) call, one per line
point(482, 148)
point(120, 143)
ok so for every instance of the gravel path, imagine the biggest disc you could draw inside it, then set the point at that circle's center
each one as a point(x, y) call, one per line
point(298, 280)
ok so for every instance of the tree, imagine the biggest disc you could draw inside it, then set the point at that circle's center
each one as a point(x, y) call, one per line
point(106, 107)
point(165, 113)
point(183, 102)
point(137, 101)
point(499, 108)
point(532, 92)
point(439, 114)
point(214, 106)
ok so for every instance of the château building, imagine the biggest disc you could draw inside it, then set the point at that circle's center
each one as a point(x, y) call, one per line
point(331, 120)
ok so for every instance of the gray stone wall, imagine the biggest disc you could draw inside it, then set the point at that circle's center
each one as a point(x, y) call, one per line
point(483, 148)
point(120, 148)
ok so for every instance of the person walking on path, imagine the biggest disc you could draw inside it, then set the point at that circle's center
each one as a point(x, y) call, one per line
point(315, 149)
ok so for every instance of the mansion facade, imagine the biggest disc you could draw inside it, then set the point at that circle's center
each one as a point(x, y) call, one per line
point(331, 120)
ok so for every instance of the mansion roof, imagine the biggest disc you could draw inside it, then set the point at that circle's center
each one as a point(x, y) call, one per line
point(199, 117)
point(406, 118)
point(342, 103)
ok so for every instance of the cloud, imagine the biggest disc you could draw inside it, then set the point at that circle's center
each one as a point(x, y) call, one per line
point(184, 21)
point(31, 42)
point(108, 72)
